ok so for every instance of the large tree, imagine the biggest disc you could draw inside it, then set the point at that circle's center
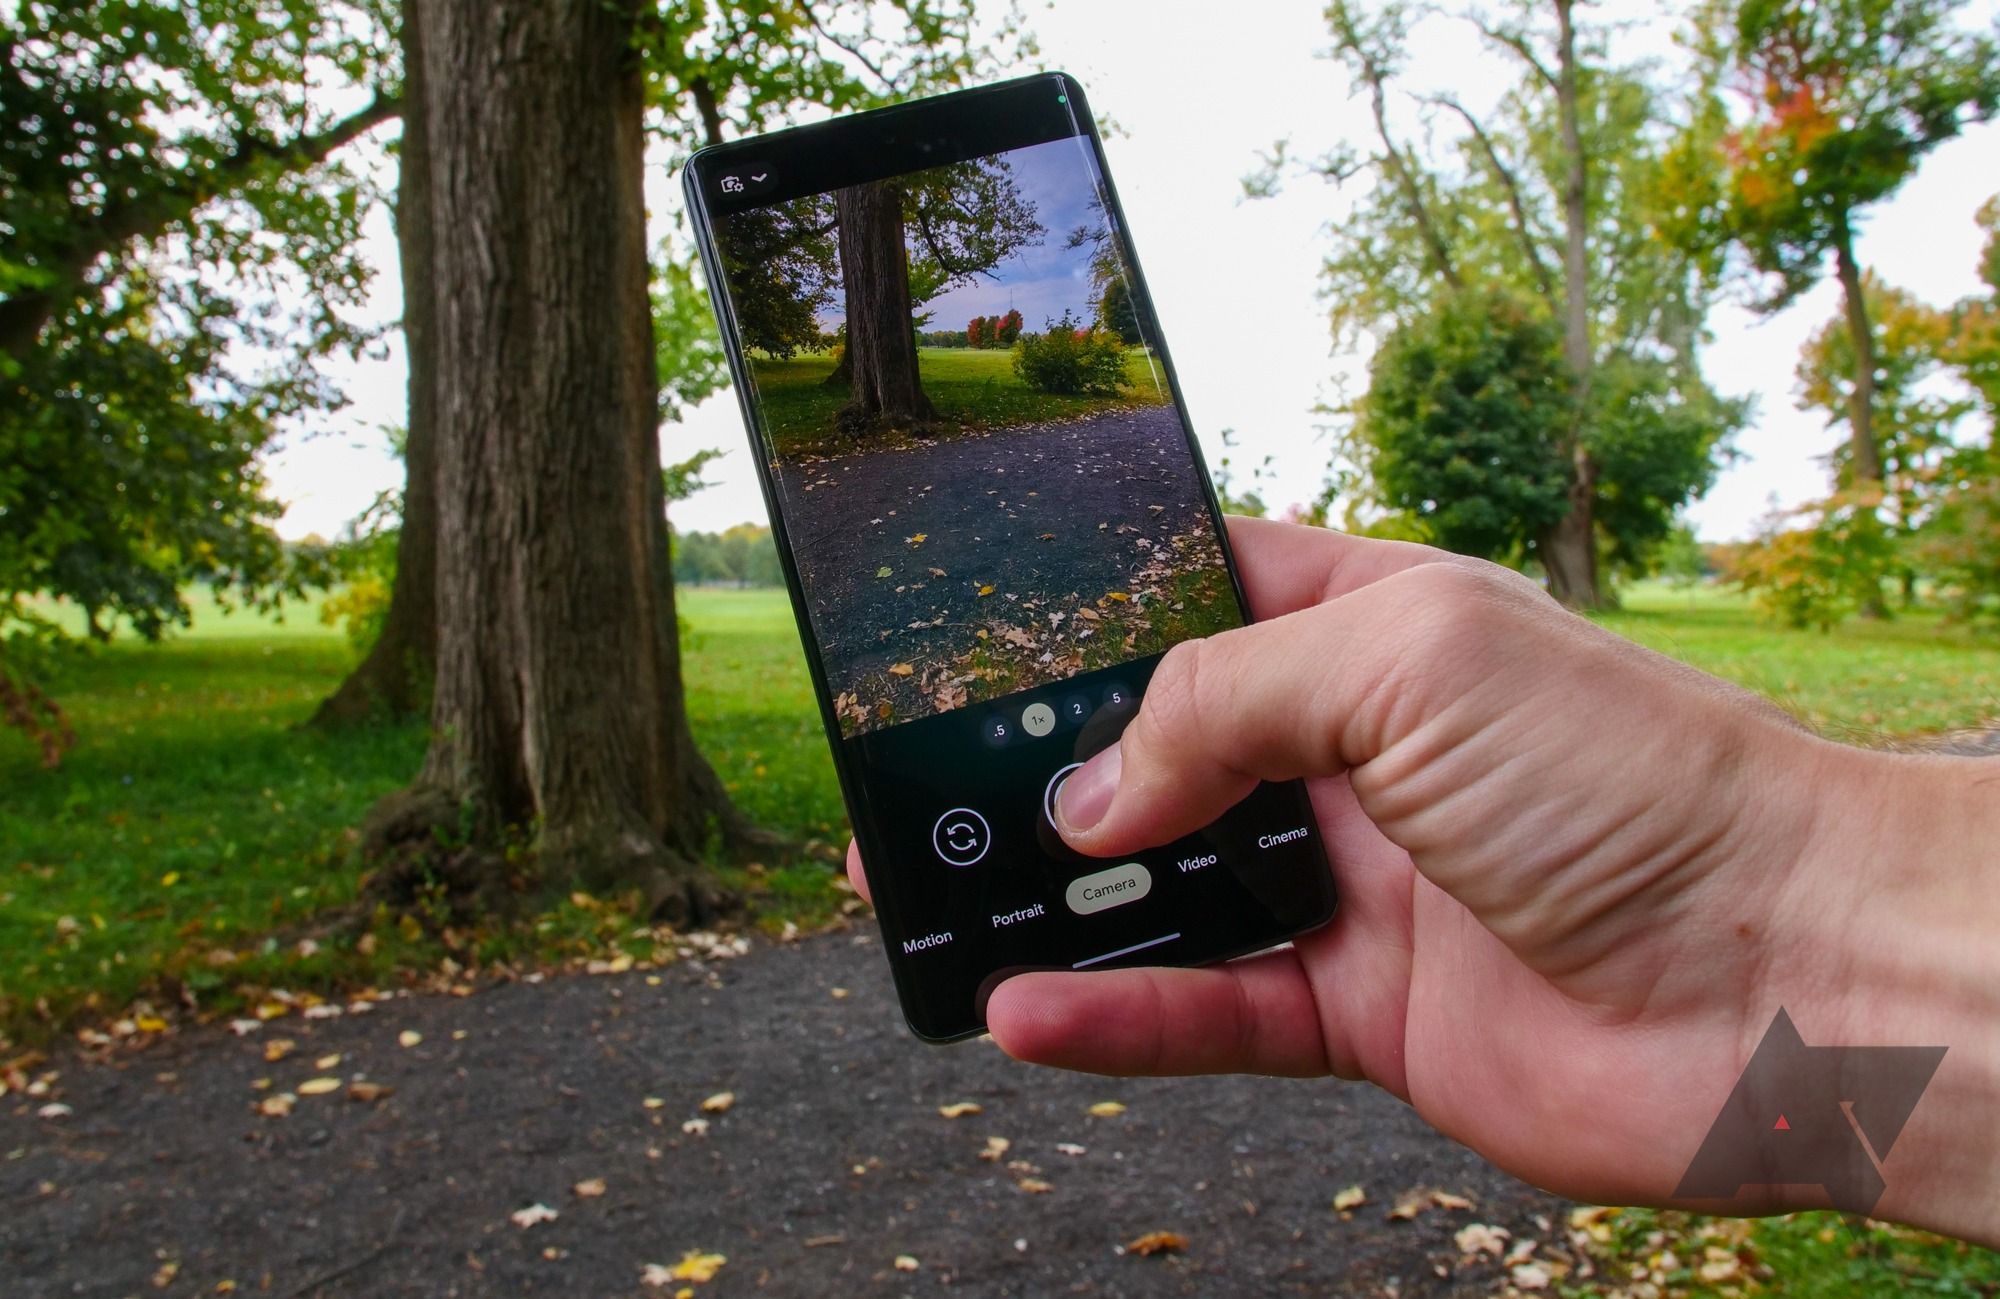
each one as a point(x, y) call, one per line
point(1548, 198)
point(182, 250)
point(1845, 97)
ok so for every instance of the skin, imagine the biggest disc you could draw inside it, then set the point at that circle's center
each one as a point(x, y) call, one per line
point(1577, 880)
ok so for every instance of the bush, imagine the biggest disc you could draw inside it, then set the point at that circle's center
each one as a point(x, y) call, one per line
point(1960, 549)
point(1817, 574)
point(1070, 359)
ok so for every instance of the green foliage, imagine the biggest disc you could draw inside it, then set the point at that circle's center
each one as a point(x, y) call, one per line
point(183, 240)
point(1118, 314)
point(1462, 418)
point(1681, 559)
point(1846, 96)
point(1070, 359)
point(1818, 573)
point(744, 555)
point(687, 347)
point(1960, 547)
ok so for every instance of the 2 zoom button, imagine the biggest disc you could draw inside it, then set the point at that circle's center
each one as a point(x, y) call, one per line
point(961, 837)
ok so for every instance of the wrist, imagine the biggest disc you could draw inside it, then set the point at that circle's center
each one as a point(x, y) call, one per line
point(1901, 879)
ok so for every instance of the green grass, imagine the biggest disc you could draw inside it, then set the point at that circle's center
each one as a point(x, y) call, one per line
point(972, 388)
point(1797, 1256)
point(1865, 681)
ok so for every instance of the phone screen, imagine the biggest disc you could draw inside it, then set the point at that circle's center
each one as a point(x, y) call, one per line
point(996, 521)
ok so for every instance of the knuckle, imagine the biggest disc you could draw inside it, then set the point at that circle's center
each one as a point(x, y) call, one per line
point(1171, 713)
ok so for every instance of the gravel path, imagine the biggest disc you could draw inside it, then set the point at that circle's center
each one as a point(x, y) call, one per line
point(832, 1161)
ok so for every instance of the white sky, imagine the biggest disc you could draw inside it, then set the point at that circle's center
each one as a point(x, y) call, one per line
point(1236, 282)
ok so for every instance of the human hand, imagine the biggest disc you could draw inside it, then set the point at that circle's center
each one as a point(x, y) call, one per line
point(1577, 879)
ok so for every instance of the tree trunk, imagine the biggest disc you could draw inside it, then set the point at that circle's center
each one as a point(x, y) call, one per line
point(1569, 552)
point(394, 680)
point(881, 344)
point(1867, 463)
point(558, 708)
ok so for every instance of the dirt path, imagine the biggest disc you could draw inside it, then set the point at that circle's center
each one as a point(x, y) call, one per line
point(832, 1161)
point(896, 545)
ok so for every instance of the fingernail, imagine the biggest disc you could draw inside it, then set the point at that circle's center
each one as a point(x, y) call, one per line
point(1086, 796)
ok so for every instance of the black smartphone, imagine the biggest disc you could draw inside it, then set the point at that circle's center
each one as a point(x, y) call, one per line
point(994, 520)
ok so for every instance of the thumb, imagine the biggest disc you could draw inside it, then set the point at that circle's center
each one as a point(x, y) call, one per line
point(1311, 693)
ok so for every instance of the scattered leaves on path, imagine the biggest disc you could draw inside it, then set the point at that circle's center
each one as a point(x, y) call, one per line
point(1352, 1197)
point(277, 1107)
point(319, 1086)
point(995, 1147)
point(959, 1109)
point(278, 1048)
point(589, 1188)
point(718, 1103)
point(409, 1037)
point(533, 1214)
point(1482, 1238)
point(1034, 1186)
point(1107, 1109)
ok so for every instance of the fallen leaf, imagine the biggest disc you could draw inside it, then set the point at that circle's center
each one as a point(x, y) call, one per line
point(883, 571)
point(995, 1147)
point(328, 1061)
point(1157, 1242)
point(698, 1267)
point(409, 1037)
point(1107, 1109)
point(589, 1188)
point(1480, 1238)
point(939, 572)
point(986, 590)
point(1091, 615)
point(277, 1107)
point(1349, 1198)
point(1408, 1205)
point(367, 1092)
point(718, 1103)
point(533, 1214)
point(695, 1127)
point(1034, 1186)
point(905, 1263)
point(959, 1109)
point(919, 539)
point(54, 1110)
point(1446, 1200)
point(164, 1275)
point(151, 1024)
point(319, 1086)
point(1533, 1276)
point(1069, 1148)
point(653, 1103)
point(278, 1048)
point(900, 669)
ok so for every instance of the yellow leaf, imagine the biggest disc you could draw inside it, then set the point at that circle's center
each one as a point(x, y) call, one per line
point(1158, 1242)
point(170, 879)
point(278, 1048)
point(900, 669)
point(995, 1147)
point(589, 1188)
point(718, 1103)
point(1119, 596)
point(273, 1010)
point(319, 1086)
point(1034, 1186)
point(905, 1263)
point(652, 1102)
point(1107, 1109)
point(1350, 1198)
point(1408, 1205)
point(919, 539)
point(367, 1092)
point(986, 590)
point(697, 1266)
point(277, 1107)
point(327, 1061)
point(959, 1109)
point(409, 1037)
point(152, 1024)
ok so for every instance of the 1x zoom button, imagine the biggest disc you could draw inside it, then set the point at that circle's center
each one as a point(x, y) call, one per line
point(1102, 890)
point(961, 837)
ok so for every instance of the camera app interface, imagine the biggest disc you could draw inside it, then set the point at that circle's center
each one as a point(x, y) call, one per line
point(999, 526)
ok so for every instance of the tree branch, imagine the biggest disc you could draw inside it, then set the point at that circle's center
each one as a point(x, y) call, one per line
point(888, 82)
point(1518, 43)
point(706, 104)
point(1511, 184)
point(23, 315)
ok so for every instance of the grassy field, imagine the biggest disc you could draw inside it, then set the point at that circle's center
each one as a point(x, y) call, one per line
point(192, 822)
point(972, 388)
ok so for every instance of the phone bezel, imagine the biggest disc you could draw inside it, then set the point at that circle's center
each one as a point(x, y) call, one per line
point(873, 145)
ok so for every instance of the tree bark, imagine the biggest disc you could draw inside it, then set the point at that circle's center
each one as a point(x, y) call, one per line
point(1867, 456)
point(881, 344)
point(558, 711)
point(394, 680)
point(1570, 550)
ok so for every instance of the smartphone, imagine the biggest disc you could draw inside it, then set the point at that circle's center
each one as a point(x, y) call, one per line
point(994, 521)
